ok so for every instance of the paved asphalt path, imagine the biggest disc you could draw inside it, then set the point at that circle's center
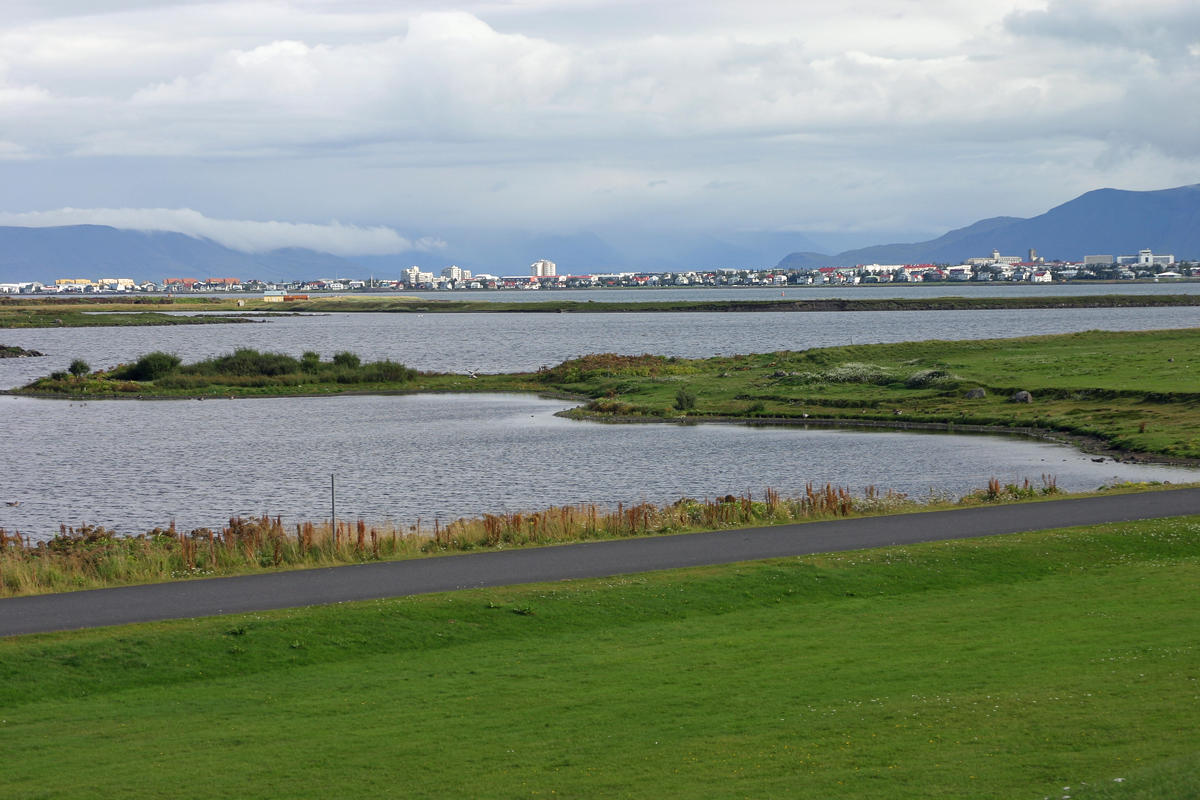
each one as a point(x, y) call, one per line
point(199, 598)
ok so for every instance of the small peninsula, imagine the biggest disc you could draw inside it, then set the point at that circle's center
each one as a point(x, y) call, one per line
point(1129, 395)
point(110, 311)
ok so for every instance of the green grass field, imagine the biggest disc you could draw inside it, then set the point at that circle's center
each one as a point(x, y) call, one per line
point(1132, 391)
point(1008, 667)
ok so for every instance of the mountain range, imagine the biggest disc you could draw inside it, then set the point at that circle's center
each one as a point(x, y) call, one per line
point(1101, 222)
point(1105, 221)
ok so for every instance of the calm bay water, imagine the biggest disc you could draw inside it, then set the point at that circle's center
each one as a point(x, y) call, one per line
point(512, 342)
point(134, 465)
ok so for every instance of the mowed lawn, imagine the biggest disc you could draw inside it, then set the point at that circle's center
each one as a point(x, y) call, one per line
point(1008, 667)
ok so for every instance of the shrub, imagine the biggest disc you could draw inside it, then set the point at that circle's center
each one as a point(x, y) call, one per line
point(79, 368)
point(310, 361)
point(685, 400)
point(611, 365)
point(178, 381)
point(245, 362)
point(149, 367)
point(930, 377)
point(347, 359)
point(386, 372)
point(856, 372)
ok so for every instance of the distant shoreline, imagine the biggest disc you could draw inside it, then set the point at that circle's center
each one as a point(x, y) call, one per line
point(100, 312)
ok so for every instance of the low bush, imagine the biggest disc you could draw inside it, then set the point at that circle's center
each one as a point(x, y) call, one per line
point(931, 377)
point(856, 372)
point(386, 372)
point(243, 362)
point(347, 360)
point(149, 367)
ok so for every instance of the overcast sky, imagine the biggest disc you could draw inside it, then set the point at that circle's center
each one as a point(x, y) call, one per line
point(371, 126)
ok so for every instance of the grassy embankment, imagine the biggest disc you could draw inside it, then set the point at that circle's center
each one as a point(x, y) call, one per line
point(42, 312)
point(1137, 393)
point(1006, 667)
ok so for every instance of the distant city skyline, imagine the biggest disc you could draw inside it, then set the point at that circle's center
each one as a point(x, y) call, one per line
point(377, 128)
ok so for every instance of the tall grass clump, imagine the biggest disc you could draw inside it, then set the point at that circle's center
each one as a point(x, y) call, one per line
point(91, 556)
point(245, 362)
point(856, 372)
point(685, 400)
point(149, 367)
point(925, 378)
point(612, 365)
point(997, 493)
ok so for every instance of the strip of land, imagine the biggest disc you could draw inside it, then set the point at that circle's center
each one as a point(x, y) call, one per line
point(724, 303)
point(107, 311)
point(588, 560)
point(1129, 395)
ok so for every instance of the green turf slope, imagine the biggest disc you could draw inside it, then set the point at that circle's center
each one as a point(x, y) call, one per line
point(1007, 667)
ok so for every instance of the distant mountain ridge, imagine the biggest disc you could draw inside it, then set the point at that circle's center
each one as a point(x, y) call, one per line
point(1101, 222)
point(1104, 221)
point(98, 251)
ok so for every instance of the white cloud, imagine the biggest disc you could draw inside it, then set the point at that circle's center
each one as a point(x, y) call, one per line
point(452, 77)
point(403, 110)
point(246, 235)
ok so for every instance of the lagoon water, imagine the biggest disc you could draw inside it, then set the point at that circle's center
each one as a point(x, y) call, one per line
point(512, 342)
point(134, 465)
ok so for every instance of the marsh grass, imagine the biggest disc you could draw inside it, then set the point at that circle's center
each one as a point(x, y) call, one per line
point(91, 556)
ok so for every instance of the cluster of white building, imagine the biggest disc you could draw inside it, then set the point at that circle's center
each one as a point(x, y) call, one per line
point(544, 274)
point(1144, 258)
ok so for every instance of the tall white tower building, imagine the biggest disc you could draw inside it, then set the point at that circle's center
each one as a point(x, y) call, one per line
point(543, 268)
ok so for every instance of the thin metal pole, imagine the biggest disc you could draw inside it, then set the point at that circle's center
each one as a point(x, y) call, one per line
point(332, 506)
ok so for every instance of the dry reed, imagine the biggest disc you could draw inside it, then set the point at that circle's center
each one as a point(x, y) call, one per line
point(93, 556)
